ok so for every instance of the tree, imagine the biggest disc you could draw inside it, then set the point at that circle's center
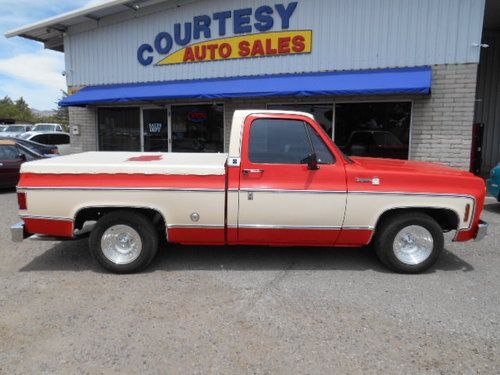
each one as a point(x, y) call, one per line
point(62, 113)
point(7, 108)
point(23, 111)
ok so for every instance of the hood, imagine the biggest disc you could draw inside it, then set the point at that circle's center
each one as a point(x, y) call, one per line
point(408, 166)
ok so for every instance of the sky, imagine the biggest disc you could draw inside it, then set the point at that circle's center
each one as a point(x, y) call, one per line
point(26, 68)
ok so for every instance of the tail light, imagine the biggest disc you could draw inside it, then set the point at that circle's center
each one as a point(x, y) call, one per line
point(21, 201)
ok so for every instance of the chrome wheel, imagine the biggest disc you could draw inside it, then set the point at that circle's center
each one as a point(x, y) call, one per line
point(121, 244)
point(413, 244)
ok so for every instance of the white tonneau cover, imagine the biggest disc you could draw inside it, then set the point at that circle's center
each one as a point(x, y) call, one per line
point(131, 163)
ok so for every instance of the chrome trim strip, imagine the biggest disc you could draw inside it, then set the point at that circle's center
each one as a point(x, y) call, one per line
point(354, 227)
point(196, 190)
point(411, 193)
point(286, 191)
point(46, 217)
point(447, 195)
point(313, 227)
point(307, 227)
point(195, 226)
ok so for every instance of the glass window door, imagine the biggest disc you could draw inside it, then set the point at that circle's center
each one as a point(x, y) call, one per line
point(155, 129)
point(119, 129)
point(198, 128)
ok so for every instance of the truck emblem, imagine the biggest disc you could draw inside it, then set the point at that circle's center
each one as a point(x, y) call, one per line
point(373, 181)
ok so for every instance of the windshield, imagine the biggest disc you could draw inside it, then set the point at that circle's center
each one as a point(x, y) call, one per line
point(25, 135)
point(43, 128)
point(15, 129)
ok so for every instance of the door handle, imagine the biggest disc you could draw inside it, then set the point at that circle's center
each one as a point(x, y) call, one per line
point(248, 171)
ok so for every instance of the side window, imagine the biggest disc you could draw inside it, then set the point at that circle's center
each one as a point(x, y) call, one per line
point(276, 141)
point(9, 153)
point(60, 139)
point(322, 152)
point(41, 138)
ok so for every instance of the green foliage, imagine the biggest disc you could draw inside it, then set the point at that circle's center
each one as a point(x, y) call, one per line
point(21, 112)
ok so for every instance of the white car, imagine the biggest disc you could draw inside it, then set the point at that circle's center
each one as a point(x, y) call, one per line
point(47, 127)
point(59, 139)
point(3, 127)
point(16, 130)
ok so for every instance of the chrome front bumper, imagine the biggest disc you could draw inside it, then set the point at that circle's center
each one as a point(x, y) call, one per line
point(17, 232)
point(482, 231)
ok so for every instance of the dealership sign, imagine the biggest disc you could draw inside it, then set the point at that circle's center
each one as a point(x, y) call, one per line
point(256, 39)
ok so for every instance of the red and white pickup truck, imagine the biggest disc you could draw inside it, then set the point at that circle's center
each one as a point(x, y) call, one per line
point(283, 183)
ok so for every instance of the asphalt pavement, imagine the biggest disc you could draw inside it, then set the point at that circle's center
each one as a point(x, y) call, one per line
point(247, 310)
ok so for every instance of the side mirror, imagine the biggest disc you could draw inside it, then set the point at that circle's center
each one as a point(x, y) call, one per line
point(312, 162)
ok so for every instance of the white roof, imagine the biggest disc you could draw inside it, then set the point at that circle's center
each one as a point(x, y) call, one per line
point(131, 163)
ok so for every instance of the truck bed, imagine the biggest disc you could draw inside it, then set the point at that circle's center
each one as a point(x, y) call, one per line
point(131, 163)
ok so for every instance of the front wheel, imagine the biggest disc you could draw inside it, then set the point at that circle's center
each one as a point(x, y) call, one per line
point(409, 242)
point(124, 241)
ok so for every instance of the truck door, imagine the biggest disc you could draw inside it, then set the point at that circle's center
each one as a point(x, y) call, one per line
point(284, 198)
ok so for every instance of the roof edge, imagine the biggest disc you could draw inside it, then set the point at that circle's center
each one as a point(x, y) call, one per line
point(21, 31)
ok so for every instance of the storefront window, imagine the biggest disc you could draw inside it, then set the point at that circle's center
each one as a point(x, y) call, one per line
point(155, 130)
point(119, 129)
point(373, 129)
point(198, 128)
point(321, 112)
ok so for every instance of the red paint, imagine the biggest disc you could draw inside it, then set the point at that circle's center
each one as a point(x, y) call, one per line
point(57, 228)
point(287, 237)
point(146, 158)
point(121, 180)
point(197, 236)
point(354, 237)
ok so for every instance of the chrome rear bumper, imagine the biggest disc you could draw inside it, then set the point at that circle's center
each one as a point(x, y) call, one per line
point(17, 232)
point(482, 231)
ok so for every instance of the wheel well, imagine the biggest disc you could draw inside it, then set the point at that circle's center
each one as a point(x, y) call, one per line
point(95, 213)
point(446, 218)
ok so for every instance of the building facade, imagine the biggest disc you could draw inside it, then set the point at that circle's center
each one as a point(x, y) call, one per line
point(168, 75)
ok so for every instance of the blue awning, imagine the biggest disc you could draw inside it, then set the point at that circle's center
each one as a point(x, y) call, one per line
point(363, 82)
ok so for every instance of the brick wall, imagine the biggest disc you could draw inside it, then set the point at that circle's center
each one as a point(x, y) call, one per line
point(442, 122)
point(85, 119)
point(441, 128)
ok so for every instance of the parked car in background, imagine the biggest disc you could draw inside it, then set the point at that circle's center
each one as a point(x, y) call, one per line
point(38, 148)
point(12, 155)
point(493, 182)
point(59, 139)
point(47, 127)
point(16, 130)
point(3, 127)
point(375, 143)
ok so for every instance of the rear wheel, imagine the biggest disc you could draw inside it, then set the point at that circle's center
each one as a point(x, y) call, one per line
point(124, 241)
point(409, 242)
